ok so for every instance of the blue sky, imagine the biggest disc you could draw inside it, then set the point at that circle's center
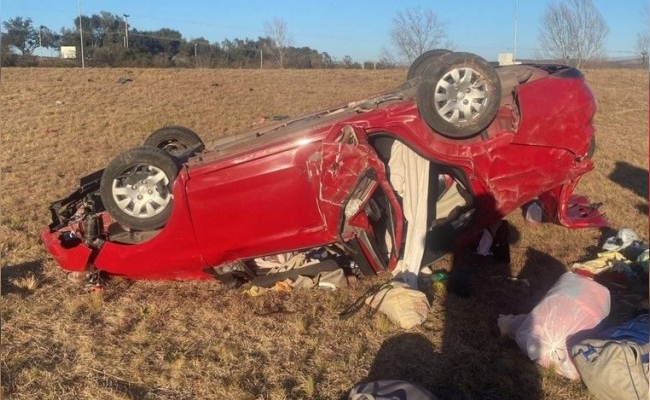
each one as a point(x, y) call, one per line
point(358, 28)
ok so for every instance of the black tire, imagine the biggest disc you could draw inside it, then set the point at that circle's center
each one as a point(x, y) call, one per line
point(136, 188)
point(312, 270)
point(460, 96)
point(175, 140)
point(423, 62)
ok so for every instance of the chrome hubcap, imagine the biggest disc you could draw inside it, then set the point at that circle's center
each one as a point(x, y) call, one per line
point(461, 95)
point(142, 191)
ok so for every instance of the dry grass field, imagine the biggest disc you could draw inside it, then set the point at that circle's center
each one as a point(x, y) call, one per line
point(198, 340)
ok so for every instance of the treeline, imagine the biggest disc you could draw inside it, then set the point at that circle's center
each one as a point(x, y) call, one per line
point(108, 41)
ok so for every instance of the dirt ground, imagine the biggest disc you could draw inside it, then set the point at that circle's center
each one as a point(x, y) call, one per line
point(189, 340)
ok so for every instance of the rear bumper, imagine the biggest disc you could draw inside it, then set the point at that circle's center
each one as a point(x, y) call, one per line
point(571, 210)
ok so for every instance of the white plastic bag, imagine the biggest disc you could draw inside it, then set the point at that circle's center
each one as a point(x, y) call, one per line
point(574, 304)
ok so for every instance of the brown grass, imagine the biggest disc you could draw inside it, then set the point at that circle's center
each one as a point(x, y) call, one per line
point(187, 340)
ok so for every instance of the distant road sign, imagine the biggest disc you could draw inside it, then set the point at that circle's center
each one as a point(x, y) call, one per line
point(68, 51)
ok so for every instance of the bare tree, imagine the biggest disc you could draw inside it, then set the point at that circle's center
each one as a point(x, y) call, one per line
point(386, 59)
point(643, 37)
point(573, 31)
point(281, 39)
point(643, 46)
point(415, 31)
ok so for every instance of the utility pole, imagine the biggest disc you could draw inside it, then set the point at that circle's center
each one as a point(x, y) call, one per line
point(40, 43)
point(514, 47)
point(81, 35)
point(126, 31)
point(196, 60)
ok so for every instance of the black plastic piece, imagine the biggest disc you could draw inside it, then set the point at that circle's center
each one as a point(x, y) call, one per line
point(63, 209)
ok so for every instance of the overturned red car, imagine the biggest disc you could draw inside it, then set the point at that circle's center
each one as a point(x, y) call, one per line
point(407, 173)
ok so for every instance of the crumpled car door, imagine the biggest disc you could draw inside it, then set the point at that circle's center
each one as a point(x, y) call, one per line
point(345, 175)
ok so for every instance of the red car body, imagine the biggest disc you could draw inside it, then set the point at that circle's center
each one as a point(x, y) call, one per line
point(288, 186)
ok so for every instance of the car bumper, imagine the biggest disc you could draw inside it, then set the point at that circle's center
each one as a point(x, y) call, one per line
point(72, 255)
point(571, 210)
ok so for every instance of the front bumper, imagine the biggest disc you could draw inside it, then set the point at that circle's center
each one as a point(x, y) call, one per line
point(72, 255)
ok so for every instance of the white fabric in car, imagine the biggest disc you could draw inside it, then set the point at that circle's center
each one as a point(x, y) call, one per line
point(449, 201)
point(409, 176)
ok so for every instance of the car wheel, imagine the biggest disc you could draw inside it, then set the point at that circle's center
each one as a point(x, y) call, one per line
point(423, 62)
point(459, 96)
point(136, 187)
point(175, 140)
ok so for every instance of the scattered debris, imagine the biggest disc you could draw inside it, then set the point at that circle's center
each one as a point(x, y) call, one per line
point(623, 264)
point(96, 288)
point(76, 277)
point(402, 305)
point(533, 212)
point(574, 304)
point(59, 103)
point(614, 363)
point(390, 389)
point(331, 280)
point(122, 80)
point(282, 286)
point(495, 242)
point(604, 262)
point(92, 281)
point(281, 262)
point(624, 238)
point(555, 332)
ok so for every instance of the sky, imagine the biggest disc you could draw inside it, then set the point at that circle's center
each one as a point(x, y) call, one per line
point(359, 28)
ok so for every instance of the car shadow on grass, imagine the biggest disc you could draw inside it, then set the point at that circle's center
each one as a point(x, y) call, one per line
point(22, 279)
point(632, 178)
point(473, 360)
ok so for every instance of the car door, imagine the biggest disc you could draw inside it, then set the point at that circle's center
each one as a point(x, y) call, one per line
point(354, 197)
